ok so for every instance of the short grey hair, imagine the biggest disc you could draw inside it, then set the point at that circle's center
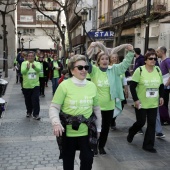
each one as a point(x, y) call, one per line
point(74, 59)
point(31, 52)
point(163, 48)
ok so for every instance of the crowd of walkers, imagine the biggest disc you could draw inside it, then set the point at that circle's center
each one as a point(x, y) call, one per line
point(90, 92)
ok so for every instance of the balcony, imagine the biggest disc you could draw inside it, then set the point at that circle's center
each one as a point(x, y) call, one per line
point(116, 16)
point(78, 40)
point(105, 20)
point(157, 7)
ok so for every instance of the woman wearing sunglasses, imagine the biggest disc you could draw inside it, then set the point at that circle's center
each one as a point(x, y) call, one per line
point(76, 99)
point(147, 91)
point(109, 85)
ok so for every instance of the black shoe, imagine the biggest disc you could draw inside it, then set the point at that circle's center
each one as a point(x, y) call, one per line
point(113, 128)
point(140, 132)
point(28, 115)
point(95, 151)
point(129, 138)
point(102, 151)
point(152, 150)
point(160, 135)
point(36, 117)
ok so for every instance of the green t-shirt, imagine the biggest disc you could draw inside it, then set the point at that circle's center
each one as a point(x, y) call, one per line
point(75, 101)
point(148, 86)
point(56, 72)
point(88, 76)
point(30, 76)
point(67, 60)
point(100, 79)
point(41, 74)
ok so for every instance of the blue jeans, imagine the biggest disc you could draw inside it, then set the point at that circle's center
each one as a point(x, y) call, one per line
point(158, 123)
point(54, 84)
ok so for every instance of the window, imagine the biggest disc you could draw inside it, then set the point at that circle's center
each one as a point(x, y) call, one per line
point(46, 5)
point(40, 17)
point(28, 31)
point(26, 18)
point(52, 17)
point(26, 5)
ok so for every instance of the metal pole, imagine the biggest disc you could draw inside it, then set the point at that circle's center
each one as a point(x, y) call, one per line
point(147, 25)
point(19, 42)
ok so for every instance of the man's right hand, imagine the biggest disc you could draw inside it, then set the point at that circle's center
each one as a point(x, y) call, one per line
point(28, 66)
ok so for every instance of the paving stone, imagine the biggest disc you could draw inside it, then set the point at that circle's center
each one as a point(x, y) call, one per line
point(26, 144)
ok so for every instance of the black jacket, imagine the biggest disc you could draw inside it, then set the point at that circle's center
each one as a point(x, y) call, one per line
point(52, 69)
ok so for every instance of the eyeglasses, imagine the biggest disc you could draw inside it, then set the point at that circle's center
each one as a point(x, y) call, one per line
point(86, 67)
point(152, 59)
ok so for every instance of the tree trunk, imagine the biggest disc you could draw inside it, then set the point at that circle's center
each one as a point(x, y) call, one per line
point(68, 31)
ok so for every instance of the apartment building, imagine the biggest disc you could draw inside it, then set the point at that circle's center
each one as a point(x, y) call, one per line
point(10, 35)
point(111, 13)
point(35, 28)
point(80, 40)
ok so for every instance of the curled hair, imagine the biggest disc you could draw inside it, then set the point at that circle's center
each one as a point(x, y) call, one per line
point(148, 54)
point(73, 60)
point(99, 57)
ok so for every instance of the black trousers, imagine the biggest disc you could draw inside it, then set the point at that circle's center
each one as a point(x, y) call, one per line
point(42, 85)
point(70, 146)
point(113, 122)
point(32, 100)
point(142, 115)
point(106, 121)
point(166, 97)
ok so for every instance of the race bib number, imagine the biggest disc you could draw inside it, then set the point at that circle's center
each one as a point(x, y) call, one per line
point(151, 92)
point(31, 75)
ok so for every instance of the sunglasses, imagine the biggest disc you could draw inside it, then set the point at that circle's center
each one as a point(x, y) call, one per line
point(86, 67)
point(152, 59)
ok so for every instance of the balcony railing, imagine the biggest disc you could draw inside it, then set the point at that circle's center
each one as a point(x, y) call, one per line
point(105, 20)
point(116, 15)
point(78, 40)
point(156, 7)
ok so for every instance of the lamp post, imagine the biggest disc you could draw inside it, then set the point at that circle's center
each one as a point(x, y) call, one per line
point(84, 14)
point(22, 42)
point(58, 42)
point(63, 28)
point(30, 42)
point(147, 25)
point(19, 39)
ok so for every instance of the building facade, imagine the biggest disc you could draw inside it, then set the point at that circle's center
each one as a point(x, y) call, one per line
point(111, 14)
point(80, 40)
point(35, 28)
point(10, 35)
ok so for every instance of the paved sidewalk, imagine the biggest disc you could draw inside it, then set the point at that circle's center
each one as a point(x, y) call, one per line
point(27, 144)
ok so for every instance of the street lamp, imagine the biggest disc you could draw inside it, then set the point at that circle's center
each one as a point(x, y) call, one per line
point(84, 14)
point(30, 42)
point(57, 46)
point(63, 27)
point(19, 39)
point(22, 42)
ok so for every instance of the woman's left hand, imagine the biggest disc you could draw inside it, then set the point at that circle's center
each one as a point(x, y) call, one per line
point(161, 101)
point(129, 47)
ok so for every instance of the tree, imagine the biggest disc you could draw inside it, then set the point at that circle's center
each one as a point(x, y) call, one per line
point(6, 7)
point(119, 27)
